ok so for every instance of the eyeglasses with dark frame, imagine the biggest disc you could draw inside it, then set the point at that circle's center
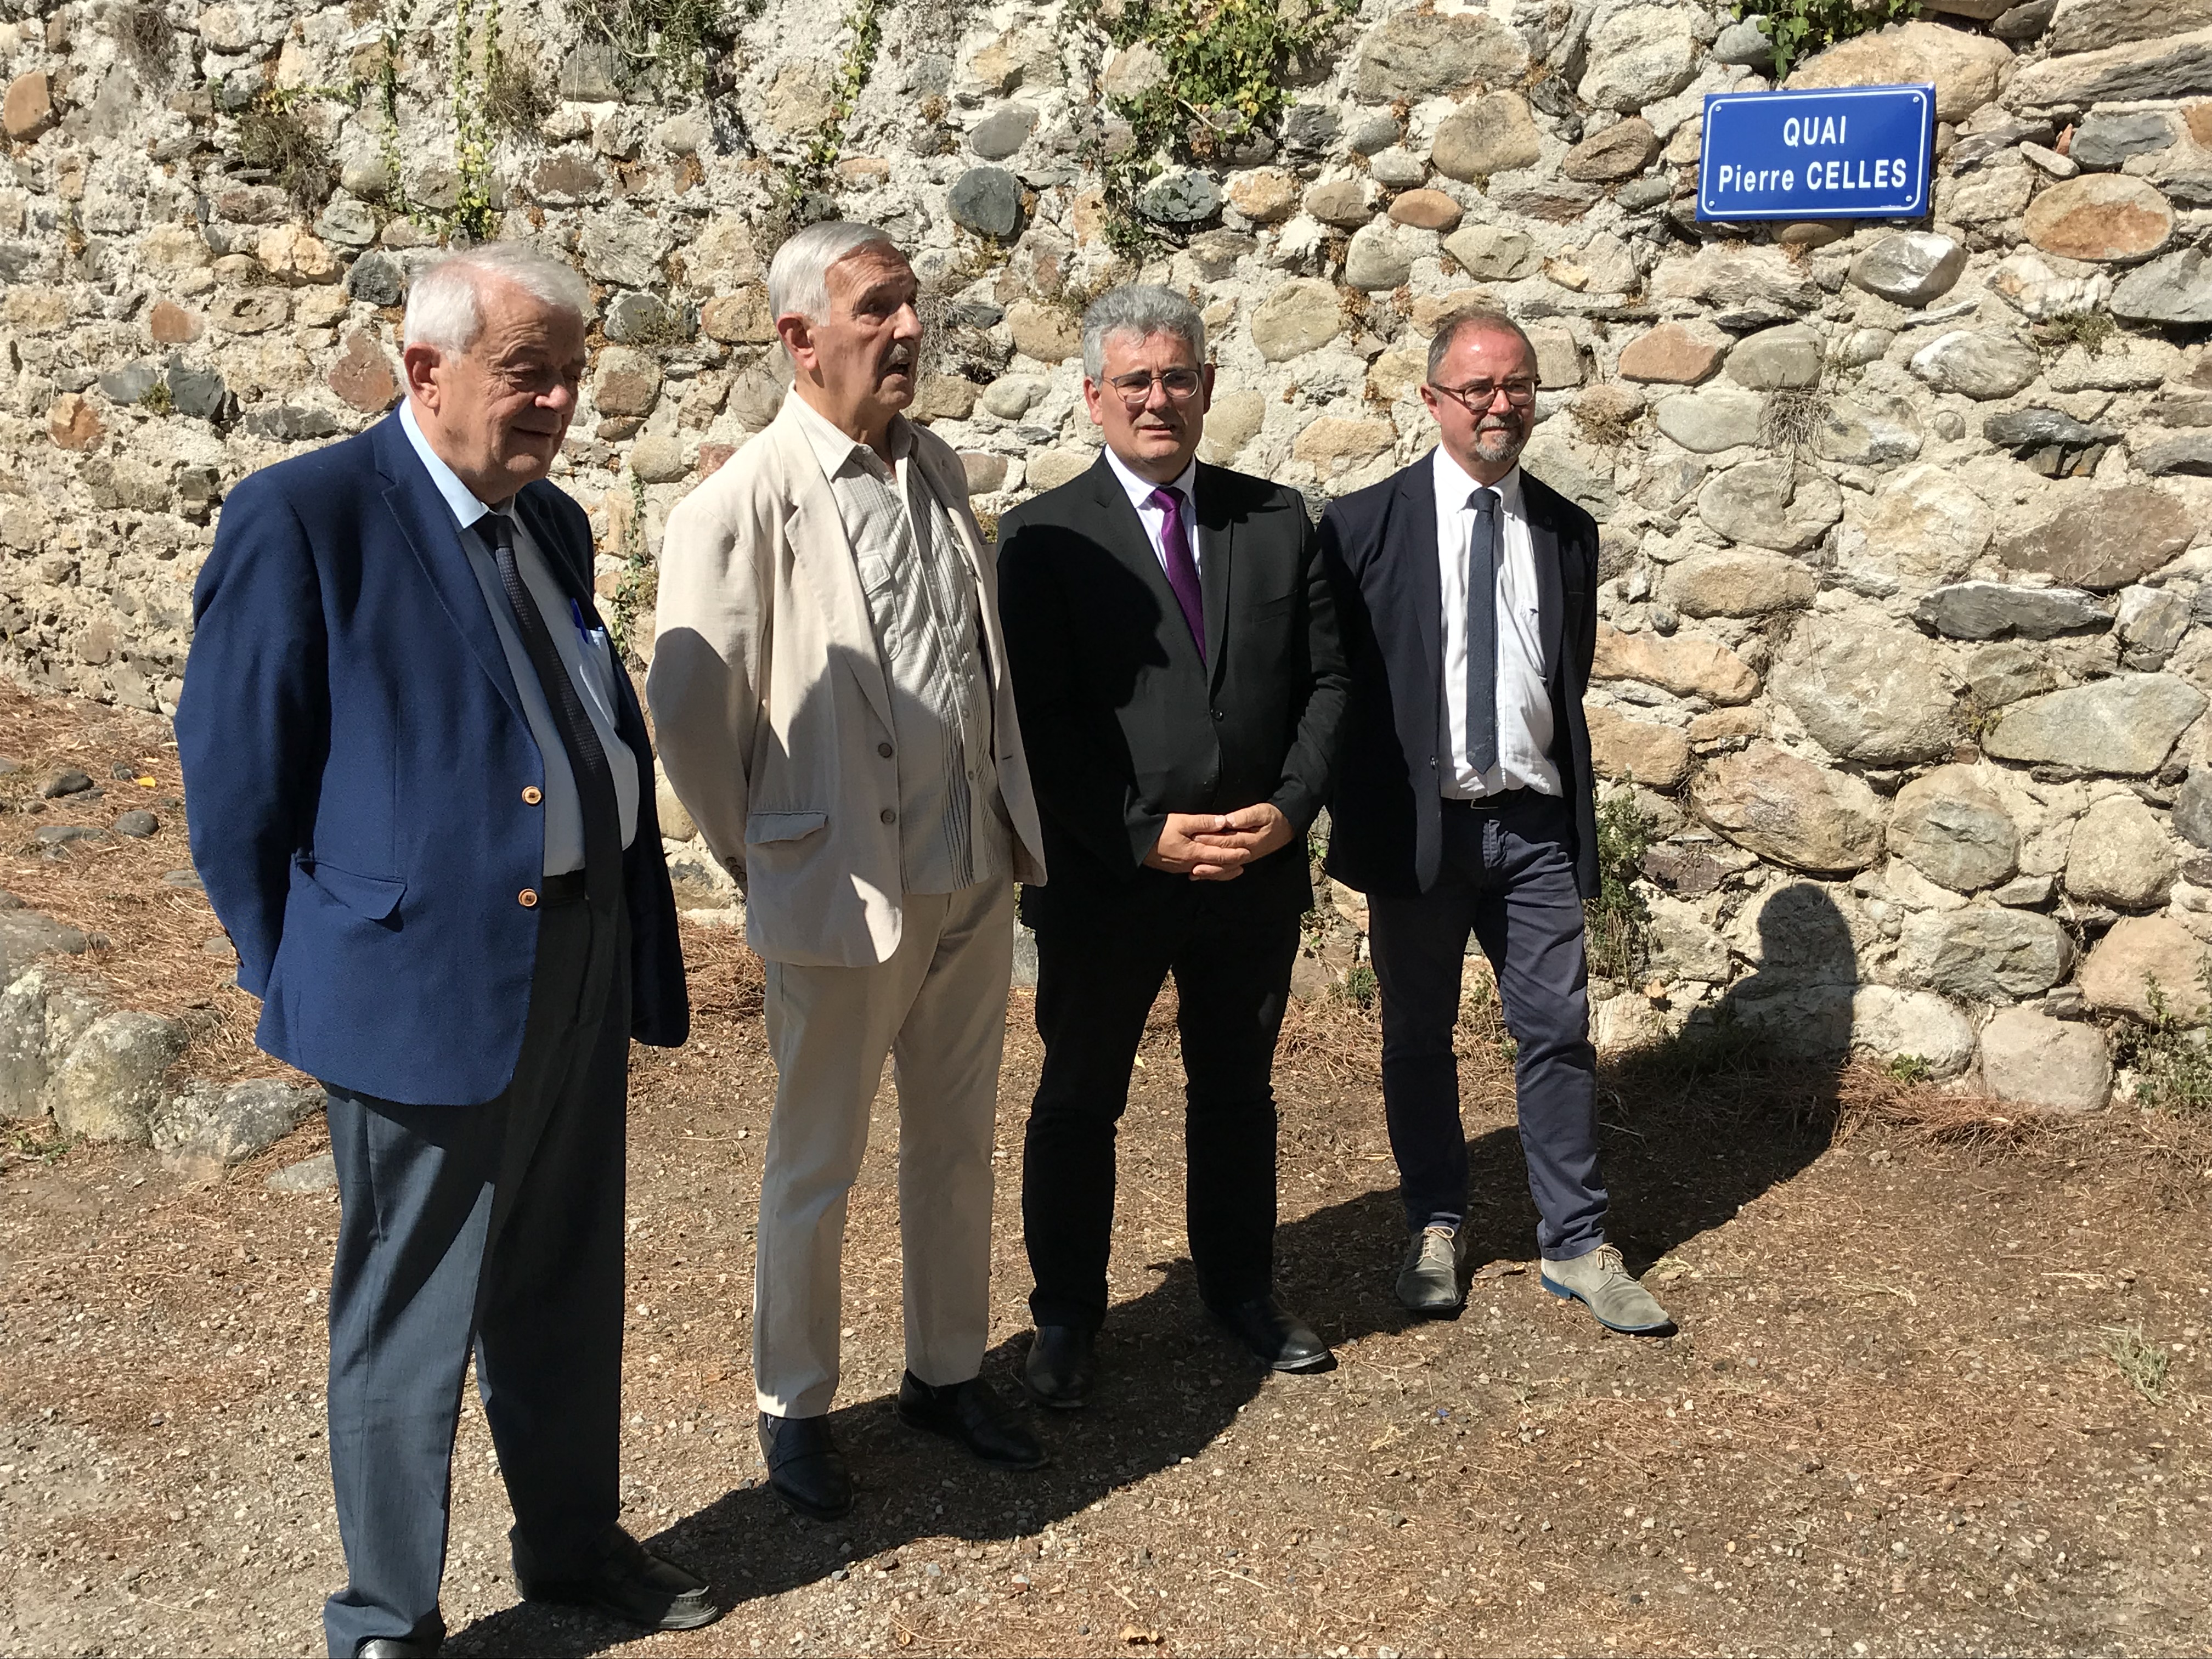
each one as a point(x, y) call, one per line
point(1135, 391)
point(1477, 396)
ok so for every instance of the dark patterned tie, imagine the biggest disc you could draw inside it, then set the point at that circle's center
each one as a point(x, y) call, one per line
point(1482, 633)
point(1183, 570)
point(587, 760)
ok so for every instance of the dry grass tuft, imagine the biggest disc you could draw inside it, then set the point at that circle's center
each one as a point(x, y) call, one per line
point(1870, 1095)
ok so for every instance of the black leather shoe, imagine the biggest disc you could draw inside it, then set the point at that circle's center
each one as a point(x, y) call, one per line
point(1058, 1370)
point(620, 1578)
point(804, 1468)
point(421, 1643)
point(1275, 1337)
point(972, 1414)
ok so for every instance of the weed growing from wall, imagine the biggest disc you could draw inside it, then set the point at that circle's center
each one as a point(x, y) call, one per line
point(148, 39)
point(514, 98)
point(1799, 29)
point(668, 42)
point(2172, 1064)
point(1225, 81)
point(274, 139)
point(1616, 919)
point(2090, 330)
point(474, 70)
point(640, 584)
point(826, 143)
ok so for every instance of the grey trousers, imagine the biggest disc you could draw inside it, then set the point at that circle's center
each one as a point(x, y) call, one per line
point(498, 1227)
point(1508, 876)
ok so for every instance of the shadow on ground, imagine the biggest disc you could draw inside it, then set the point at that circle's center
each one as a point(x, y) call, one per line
point(1683, 1152)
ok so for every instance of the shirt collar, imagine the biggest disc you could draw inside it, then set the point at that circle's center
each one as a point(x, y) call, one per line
point(467, 508)
point(1454, 486)
point(1140, 490)
point(832, 447)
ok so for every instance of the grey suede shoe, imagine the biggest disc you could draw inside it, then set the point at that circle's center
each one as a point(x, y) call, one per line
point(1431, 1282)
point(1601, 1282)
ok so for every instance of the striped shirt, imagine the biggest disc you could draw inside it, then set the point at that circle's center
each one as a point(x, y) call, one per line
point(953, 827)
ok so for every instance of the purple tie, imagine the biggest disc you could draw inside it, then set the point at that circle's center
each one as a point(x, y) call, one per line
point(1182, 572)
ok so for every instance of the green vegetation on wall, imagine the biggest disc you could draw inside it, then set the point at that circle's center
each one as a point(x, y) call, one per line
point(1226, 63)
point(1615, 918)
point(667, 41)
point(1799, 29)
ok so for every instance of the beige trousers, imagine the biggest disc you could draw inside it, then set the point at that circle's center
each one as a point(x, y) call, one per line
point(938, 1008)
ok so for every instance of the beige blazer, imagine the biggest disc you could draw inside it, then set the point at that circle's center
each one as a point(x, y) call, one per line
point(769, 700)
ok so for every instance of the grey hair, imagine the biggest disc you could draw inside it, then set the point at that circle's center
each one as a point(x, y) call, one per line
point(798, 275)
point(444, 304)
point(1479, 319)
point(1142, 309)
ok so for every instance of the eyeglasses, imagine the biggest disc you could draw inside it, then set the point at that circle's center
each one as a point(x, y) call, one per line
point(1181, 385)
point(1477, 396)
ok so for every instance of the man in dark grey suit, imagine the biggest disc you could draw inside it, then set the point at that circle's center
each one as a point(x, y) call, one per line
point(1467, 592)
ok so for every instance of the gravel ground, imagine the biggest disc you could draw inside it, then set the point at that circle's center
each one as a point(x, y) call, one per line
point(1893, 1424)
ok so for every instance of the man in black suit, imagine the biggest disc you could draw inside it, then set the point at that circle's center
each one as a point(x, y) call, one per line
point(1467, 592)
point(1179, 684)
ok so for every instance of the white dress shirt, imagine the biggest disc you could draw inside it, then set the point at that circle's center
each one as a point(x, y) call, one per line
point(1155, 520)
point(1523, 703)
point(589, 659)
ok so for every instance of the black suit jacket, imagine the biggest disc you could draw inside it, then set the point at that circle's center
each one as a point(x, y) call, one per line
point(1123, 722)
point(1380, 544)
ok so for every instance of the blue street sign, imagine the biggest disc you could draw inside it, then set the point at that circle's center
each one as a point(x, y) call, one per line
point(1842, 153)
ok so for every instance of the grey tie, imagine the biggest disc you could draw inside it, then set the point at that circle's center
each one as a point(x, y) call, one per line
point(1482, 633)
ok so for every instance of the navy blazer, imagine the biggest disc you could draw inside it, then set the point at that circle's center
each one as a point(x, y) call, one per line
point(1386, 822)
point(355, 759)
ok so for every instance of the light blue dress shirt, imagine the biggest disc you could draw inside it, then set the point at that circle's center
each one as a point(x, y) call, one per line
point(587, 655)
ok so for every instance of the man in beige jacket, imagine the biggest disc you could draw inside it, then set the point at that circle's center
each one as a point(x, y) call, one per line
point(828, 688)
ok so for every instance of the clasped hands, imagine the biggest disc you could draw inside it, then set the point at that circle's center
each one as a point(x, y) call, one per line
point(1217, 846)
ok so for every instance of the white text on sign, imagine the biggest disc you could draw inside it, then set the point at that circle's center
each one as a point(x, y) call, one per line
point(1881, 174)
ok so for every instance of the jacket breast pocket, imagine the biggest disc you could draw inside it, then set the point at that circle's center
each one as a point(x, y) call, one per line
point(372, 898)
point(1281, 605)
point(779, 829)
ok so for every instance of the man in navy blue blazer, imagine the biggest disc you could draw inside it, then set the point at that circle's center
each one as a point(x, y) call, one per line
point(1467, 593)
point(420, 796)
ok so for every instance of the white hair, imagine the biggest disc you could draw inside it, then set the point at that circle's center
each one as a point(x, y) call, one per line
point(798, 275)
point(1142, 309)
point(444, 307)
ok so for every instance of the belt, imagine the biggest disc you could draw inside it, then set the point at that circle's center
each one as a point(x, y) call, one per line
point(567, 888)
point(1489, 804)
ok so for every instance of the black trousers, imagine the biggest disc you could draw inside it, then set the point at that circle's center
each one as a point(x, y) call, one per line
point(1099, 967)
point(498, 1226)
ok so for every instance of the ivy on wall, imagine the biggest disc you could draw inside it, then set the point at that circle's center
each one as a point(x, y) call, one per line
point(1226, 79)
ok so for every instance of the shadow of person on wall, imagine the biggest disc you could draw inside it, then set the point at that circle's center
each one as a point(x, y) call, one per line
point(1746, 1094)
point(1692, 1132)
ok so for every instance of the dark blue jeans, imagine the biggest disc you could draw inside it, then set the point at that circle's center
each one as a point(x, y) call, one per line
point(1508, 876)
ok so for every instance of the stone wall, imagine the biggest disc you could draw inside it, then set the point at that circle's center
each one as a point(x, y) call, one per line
point(1902, 594)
